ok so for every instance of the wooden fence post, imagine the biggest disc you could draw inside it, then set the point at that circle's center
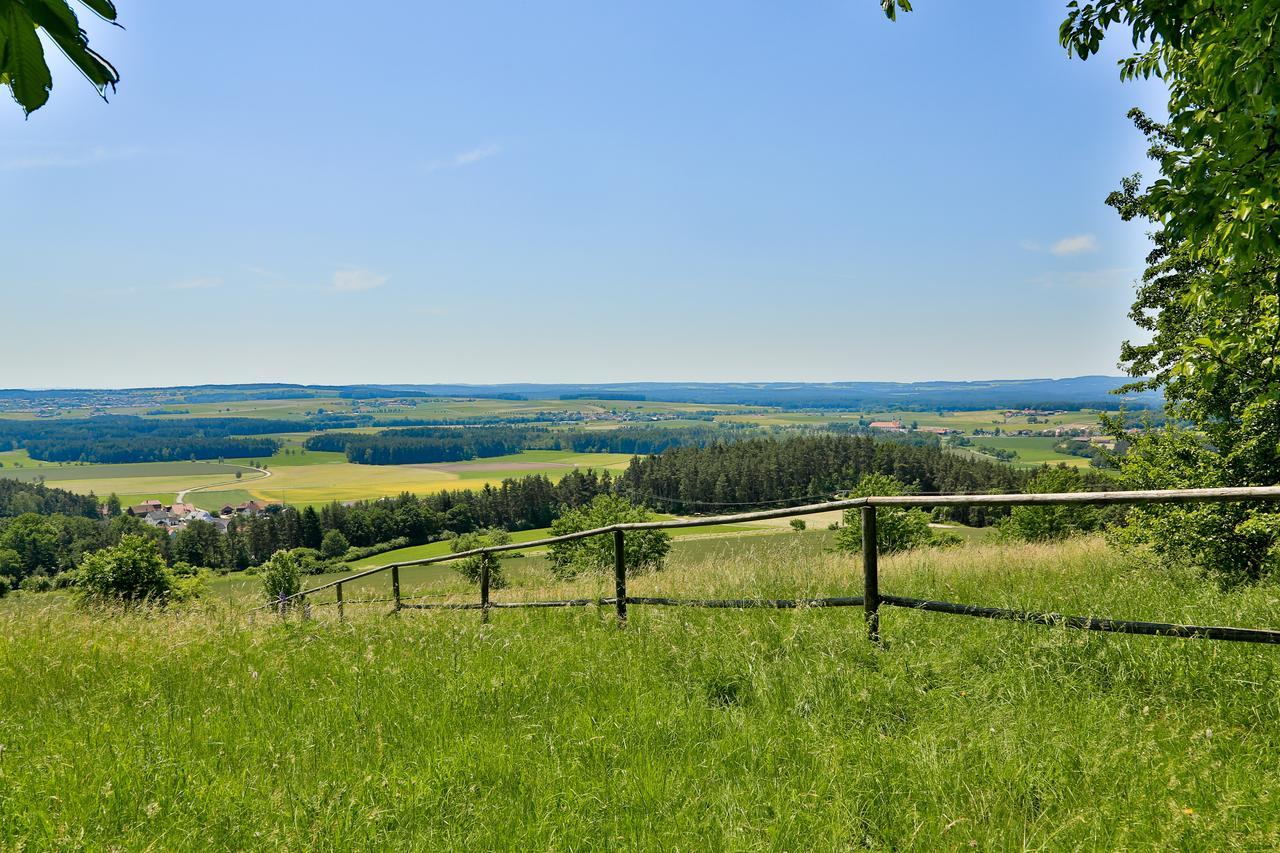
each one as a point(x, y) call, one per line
point(620, 578)
point(395, 586)
point(870, 574)
point(484, 588)
point(340, 612)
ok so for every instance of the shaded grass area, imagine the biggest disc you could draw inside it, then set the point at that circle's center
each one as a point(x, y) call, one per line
point(691, 729)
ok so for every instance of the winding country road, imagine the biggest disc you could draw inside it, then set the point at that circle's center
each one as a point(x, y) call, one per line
point(181, 497)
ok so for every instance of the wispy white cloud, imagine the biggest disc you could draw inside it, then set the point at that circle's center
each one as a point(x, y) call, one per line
point(1088, 279)
point(465, 158)
point(66, 158)
point(1075, 245)
point(198, 283)
point(356, 280)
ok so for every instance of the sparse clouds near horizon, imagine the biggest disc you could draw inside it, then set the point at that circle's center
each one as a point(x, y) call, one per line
point(355, 280)
point(1075, 245)
point(465, 158)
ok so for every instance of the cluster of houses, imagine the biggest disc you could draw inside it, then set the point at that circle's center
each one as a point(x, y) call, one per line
point(177, 516)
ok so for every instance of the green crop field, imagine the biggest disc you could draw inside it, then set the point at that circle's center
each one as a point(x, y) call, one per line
point(298, 482)
point(200, 729)
point(1032, 450)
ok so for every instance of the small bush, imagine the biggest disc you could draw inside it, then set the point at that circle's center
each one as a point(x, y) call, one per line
point(7, 585)
point(643, 550)
point(798, 525)
point(356, 552)
point(1052, 523)
point(132, 571)
point(896, 529)
point(36, 583)
point(280, 576)
point(472, 567)
point(334, 544)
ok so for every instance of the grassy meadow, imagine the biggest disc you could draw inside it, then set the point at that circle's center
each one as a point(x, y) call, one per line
point(745, 730)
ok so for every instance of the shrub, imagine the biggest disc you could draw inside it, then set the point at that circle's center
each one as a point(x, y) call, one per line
point(896, 529)
point(132, 571)
point(798, 525)
point(471, 567)
point(36, 583)
point(1052, 523)
point(643, 550)
point(356, 552)
point(280, 576)
point(7, 585)
point(1235, 542)
point(311, 562)
point(334, 544)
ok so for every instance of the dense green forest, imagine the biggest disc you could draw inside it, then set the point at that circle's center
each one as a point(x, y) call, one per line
point(808, 467)
point(127, 438)
point(444, 444)
point(17, 498)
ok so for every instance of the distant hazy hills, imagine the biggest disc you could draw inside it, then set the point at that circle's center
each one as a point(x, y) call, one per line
point(1089, 391)
point(1076, 392)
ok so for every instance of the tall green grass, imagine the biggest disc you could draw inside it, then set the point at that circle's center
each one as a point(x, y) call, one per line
point(688, 730)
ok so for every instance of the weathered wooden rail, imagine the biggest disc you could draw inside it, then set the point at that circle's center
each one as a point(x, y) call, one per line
point(871, 599)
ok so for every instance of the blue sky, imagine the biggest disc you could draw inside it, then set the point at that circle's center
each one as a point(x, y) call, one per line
point(571, 191)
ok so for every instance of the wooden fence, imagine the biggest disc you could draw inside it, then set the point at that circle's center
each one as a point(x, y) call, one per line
point(871, 599)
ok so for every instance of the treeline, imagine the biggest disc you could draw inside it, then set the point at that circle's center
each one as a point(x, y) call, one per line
point(806, 468)
point(17, 497)
point(443, 444)
point(426, 444)
point(127, 438)
point(517, 504)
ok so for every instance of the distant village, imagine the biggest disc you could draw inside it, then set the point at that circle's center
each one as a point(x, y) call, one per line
point(176, 517)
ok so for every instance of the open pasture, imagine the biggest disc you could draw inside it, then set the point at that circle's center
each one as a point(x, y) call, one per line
point(198, 729)
point(1032, 450)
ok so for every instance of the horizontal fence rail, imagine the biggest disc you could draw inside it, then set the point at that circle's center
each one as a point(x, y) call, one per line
point(871, 600)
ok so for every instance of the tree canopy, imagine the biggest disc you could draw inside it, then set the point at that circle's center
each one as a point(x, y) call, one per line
point(22, 63)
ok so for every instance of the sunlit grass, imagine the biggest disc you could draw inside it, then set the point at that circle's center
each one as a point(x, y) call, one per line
point(689, 730)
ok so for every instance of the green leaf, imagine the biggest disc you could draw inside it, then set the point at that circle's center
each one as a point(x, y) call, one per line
point(95, 68)
point(29, 77)
point(56, 17)
point(104, 9)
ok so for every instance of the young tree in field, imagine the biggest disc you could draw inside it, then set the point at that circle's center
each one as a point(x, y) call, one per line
point(133, 571)
point(281, 576)
point(643, 550)
point(798, 525)
point(896, 529)
point(334, 545)
point(472, 567)
point(22, 64)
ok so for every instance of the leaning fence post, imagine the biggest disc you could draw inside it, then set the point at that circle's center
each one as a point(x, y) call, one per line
point(870, 574)
point(339, 589)
point(395, 586)
point(484, 588)
point(619, 578)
